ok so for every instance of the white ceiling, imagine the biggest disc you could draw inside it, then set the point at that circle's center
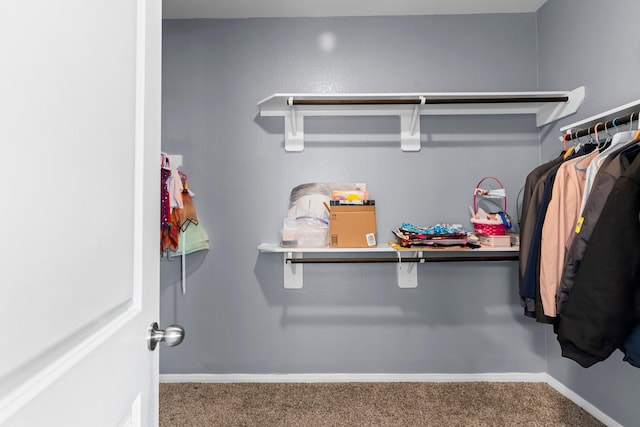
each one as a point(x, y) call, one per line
point(186, 9)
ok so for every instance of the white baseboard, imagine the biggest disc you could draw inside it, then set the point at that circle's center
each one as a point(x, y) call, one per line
point(578, 400)
point(332, 378)
point(326, 378)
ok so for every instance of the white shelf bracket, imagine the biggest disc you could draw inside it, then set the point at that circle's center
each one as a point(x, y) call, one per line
point(293, 273)
point(410, 131)
point(294, 131)
point(416, 115)
point(407, 272)
point(293, 128)
point(552, 112)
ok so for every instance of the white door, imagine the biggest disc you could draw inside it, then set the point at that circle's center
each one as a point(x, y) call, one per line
point(79, 191)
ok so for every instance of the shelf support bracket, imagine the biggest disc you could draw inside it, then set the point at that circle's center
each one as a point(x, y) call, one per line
point(407, 272)
point(552, 112)
point(293, 273)
point(293, 128)
point(410, 130)
point(415, 116)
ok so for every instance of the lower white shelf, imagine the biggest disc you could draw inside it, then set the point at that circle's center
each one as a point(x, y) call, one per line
point(406, 260)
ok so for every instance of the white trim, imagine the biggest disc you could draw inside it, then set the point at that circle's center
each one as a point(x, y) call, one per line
point(580, 401)
point(335, 378)
point(139, 153)
point(532, 377)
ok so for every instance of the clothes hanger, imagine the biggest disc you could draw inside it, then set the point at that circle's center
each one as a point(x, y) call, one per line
point(620, 137)
point(596, 134)
point(612, 144)
point(576, 149)
point(594, 137)
point(607, 141)
point(637, 135)
point(632, 146)
point(585, 157)
point(568, 151)
point(565, 137)
point(164, 160)
point(585, 147)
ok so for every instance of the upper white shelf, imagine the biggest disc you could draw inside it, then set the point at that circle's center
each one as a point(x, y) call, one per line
point(547, 106)
point(607, 115)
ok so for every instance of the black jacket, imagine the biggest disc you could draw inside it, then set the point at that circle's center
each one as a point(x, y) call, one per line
point(612, 168)
point(604, 304)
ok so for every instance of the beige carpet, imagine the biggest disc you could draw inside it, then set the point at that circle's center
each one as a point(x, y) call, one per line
point(368, 404)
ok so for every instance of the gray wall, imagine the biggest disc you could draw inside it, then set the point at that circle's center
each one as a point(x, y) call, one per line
point(595, 45)
point(462, 318)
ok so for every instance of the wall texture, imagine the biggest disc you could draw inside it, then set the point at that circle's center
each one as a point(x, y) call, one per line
point(462, 318)
point(582, 44)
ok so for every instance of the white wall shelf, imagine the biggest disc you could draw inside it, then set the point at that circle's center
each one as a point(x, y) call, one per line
point(547, 107)
point(406, 260)
point(631, 107)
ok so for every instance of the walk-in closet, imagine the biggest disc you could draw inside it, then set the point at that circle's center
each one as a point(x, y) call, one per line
point(463, 320)
point(178, 174)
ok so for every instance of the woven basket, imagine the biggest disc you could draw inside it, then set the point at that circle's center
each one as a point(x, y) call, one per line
point(488, 229)
point(485, 227)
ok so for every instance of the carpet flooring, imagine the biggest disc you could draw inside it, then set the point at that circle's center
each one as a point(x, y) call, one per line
point(368, 404)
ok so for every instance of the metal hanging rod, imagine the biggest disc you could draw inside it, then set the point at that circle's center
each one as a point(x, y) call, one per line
point(396, 260)
point(424, 100)
point(612, 124)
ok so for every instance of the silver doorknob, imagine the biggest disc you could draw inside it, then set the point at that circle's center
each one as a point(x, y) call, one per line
point(171, 336)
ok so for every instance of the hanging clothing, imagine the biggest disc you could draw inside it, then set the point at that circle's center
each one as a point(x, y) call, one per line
point(169, 238)
point(169, 233)
point(165, 207)
point(604, 305)
point(187, 215)
point(530, 289)
point(618, 140)
point(559, 225)
point(612, 167)
point(175, 188)
point(183, 234)
point(631, 348)
point(531, 194)
point(193, 239)
point(534, 208)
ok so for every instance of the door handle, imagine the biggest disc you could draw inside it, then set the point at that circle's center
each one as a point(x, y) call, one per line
point(171, 336)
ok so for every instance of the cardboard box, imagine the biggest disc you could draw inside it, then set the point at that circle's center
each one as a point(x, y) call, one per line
point(352, 226)
point(498, 241)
